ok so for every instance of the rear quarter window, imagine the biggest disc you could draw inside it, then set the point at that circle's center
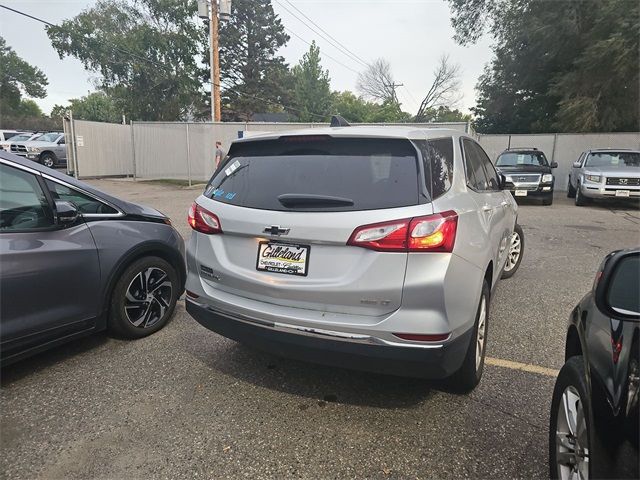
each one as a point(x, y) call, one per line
point(367, 173)
point(437, 157)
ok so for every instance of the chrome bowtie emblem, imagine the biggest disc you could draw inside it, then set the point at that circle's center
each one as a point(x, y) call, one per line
point(623, 181)
point(276, 230)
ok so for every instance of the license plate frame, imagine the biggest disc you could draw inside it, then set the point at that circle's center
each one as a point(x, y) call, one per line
point(281, 265)
point(623, 193)
point(520, 193)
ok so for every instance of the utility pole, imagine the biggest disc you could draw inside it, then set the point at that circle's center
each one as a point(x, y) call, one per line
point(215, 62)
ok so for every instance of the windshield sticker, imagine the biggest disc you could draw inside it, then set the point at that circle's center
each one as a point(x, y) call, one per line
point(520, 159)
point(615, 160)
point(230, 195)
point(232, 168)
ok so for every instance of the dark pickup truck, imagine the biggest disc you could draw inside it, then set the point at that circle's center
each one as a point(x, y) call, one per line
point(527, 172)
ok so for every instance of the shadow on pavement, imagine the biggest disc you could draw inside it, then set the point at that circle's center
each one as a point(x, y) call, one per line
point(49, 358)
point(316, 382)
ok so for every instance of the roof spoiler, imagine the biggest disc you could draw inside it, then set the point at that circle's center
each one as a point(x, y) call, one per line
point(338, 121)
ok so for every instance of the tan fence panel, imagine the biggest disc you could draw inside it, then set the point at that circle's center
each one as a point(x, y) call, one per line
point(161, 151)
point(103, 149)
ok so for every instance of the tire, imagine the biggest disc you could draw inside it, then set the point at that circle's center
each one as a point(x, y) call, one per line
point(571, 192)
point(469, 374)
point(578, 443)
point(514, 258)
point(548, 200)
point(48, 160)
point(581, 200)
point(143, 300)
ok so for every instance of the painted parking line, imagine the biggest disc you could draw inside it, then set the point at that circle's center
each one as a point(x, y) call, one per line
point(524, 367)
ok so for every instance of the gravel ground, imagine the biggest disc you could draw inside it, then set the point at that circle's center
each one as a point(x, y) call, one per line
point(187, 403)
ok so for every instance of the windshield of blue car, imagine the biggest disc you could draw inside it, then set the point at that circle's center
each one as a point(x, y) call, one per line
point(515, 159)
point(613, 159)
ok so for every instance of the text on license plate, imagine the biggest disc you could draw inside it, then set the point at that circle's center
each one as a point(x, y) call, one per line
point(521, 193)
point(622, 193)
point(283, 258)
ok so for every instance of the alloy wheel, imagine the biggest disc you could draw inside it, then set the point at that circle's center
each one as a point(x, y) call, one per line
point(148, 297)
point(572, 444)
point(482, 331)
point(47, 161)
point(515, 248)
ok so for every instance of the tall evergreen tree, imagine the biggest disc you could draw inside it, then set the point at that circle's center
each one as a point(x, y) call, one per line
point(254, 78)
point(311, 89)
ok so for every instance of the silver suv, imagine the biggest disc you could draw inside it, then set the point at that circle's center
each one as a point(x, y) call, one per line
point(605, 173)
point(374, 248)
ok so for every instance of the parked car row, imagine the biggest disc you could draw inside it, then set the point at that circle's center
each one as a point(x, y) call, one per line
point(597, 174)
point(47, 148)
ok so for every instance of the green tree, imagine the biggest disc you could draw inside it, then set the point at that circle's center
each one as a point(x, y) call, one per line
point(559, 66)
point(18, 78)
point(254, 78)
point(97, 106)
point(311, 89)
point(148, 55)
point(446, 114)
point(358, 110)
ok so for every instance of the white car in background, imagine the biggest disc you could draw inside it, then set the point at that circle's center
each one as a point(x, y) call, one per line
point(11, 145)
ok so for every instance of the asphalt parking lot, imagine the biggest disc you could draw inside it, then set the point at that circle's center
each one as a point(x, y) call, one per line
point(187, 403)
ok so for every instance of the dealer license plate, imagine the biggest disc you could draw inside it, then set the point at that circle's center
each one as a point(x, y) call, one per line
point(284, 258)
point(622, 193)
point(521, 193)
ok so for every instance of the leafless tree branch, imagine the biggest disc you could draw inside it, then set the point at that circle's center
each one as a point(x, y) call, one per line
point(376, 82)
point(445, 89)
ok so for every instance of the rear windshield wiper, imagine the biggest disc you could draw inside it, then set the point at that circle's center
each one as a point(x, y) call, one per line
point(309, 200)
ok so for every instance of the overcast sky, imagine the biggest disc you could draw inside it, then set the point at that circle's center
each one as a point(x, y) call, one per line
point(410, 34)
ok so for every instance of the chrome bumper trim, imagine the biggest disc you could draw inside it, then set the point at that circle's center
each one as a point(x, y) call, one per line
point(315, 332)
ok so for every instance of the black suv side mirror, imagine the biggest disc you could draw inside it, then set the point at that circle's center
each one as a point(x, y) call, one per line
point(616, 292)
point(66, 212)
point(502, 180)
point(554, 165)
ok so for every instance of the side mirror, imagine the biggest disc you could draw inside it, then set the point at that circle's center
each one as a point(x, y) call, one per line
point(554, 165)
point(616, 291)
point(577, 164)
point(66, 212)
point(502, 180)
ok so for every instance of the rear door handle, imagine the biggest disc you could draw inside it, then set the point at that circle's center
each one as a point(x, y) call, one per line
point(504, 204)
point(486, 208)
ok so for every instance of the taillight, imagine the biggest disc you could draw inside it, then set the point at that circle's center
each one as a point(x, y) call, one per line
point(431, 233)
point(203, 221)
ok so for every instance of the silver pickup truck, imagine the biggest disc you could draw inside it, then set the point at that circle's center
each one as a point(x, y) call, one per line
point(50, 150)
point(605, 173)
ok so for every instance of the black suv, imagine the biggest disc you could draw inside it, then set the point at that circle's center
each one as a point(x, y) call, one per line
point(594, 430)
point(527, 172)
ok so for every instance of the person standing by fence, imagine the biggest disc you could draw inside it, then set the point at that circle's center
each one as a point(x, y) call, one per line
point(219, 153)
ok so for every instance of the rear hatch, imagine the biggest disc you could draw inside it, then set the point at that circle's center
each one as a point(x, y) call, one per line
point(287, 208)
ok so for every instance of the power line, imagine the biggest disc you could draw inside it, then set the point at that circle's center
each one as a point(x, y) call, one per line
point(331, 42)
point(164, 67)
point(324, 54)
point(350, 52)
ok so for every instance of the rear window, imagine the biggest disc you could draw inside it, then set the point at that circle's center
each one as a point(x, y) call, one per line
point(318, 173)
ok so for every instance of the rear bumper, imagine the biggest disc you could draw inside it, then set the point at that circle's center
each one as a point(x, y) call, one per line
point(339, 349)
